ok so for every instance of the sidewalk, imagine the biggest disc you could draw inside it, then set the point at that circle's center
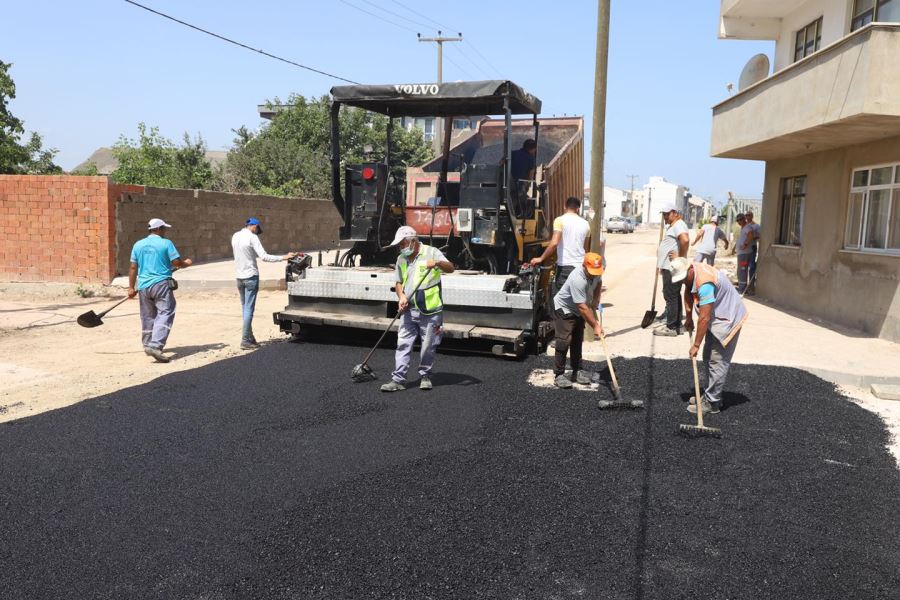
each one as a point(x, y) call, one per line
point(771, 336)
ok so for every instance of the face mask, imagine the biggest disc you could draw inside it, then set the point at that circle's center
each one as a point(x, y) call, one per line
point(406, 252)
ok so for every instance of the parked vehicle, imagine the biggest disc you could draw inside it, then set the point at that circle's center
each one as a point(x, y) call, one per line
point(620, 224)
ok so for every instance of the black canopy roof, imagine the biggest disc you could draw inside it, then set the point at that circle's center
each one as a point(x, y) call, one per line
point(438, 99)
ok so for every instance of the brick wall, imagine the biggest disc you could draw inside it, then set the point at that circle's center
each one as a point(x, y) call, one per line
point(203, 222)
point(57, 228)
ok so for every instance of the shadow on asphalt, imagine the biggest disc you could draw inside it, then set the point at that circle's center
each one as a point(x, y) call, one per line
point(183, 351)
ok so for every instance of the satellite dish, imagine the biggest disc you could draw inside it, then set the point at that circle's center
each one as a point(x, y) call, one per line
point(756, 69)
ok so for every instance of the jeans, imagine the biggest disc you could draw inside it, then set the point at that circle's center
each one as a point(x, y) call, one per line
point(157, 314)
point(569, 331)
point(672, 295)
point(414, 324)
point(708, 258)
point(562, 274)
point(717, 360)
point(247, 290)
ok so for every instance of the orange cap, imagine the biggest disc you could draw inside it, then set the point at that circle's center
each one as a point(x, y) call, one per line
point(593, 262)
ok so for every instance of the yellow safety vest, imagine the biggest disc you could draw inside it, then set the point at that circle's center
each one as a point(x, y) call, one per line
point(427, 299)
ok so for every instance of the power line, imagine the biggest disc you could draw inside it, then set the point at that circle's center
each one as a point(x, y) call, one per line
point(456, 64)
point(474, 64)
point(390, 12)
point(236, 43)
point(484, 58)
point(377, 16)
point(426, 17)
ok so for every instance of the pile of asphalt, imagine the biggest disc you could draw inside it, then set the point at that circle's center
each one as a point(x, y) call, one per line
point(273, 476)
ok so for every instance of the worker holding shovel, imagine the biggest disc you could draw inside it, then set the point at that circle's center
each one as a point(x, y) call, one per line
point(150, 278)
point(721, 315)
point(418, 289)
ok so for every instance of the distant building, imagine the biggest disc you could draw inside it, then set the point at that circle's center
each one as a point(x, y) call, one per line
point(826, 122)
point(616, 203)
point(658, 191)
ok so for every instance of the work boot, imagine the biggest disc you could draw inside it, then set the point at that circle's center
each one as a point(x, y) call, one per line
point(666, 332)
point(563, 382)
point(583, 377)
point(393, 386)
point(425, 384)
point(157, 354)
point(711, 408)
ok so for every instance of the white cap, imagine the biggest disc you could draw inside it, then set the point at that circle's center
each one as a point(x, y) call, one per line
point(156, 224)
point(403, 233)
point(714, 219)
point(667, 207)
point(679, 268)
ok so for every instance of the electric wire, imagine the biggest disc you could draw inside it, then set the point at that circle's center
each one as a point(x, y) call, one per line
point(236, 43)
point(426, 17)
point(379, 17)
point(474, 64)
point(390, 12)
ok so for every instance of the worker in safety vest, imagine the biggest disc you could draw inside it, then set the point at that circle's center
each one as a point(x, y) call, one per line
point(418, 287)
point(721, 315)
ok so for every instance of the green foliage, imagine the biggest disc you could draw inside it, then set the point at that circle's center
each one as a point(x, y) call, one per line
point(155, 161)
point(16, 157)
point(291, 156)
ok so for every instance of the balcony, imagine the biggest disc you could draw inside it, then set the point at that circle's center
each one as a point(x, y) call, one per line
point(847, 93)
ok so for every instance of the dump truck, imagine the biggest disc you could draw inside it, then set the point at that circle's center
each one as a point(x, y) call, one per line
point(488, 224)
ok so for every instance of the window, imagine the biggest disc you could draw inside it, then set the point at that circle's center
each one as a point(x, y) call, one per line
point(808, 39)
point(790, 221)
point(873, 215)
point(866, 11)
point(429, 129)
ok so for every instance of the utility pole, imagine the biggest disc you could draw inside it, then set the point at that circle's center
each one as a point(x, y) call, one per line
point(598, 129)
point(439, 40)
point(631, 205)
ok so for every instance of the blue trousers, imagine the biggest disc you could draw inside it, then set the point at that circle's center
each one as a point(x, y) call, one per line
point(247, 290)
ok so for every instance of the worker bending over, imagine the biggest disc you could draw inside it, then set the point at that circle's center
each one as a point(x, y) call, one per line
point(721, 315)
point(418, 265)
point(574, 307)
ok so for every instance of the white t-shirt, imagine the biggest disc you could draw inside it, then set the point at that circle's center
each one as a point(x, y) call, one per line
point(711, 235)
point(247, 248)
point(669, 243)
point(575, 230)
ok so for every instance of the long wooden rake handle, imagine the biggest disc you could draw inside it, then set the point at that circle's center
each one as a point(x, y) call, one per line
point(612, 372)
point(697, 391)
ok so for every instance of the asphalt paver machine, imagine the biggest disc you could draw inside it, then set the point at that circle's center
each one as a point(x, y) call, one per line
point(492, 225)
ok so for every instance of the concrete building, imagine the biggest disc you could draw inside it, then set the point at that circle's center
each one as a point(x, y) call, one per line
point(827, 124)
point(616, 203)
point(658, 191)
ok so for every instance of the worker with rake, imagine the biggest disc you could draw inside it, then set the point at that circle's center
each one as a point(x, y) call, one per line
point(418, 289)
point(721, 315)
point(574, 307)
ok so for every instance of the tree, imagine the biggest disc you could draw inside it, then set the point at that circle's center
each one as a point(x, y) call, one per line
point(15, 157)
point(154, 160)
point(291, 156)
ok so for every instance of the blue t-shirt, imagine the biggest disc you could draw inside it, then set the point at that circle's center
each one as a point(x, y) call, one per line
point(153, 256)
point(522, 162)
point(707, 294)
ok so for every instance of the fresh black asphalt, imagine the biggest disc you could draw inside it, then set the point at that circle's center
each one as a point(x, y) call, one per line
point(272, 475)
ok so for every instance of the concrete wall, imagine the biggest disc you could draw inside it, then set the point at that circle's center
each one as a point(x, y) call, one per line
point(835, 25)
point(57, 228)
point(855, 289)
point(203, 222)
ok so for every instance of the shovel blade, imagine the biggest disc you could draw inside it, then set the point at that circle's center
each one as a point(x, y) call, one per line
point(89, 319)
point(647, 321)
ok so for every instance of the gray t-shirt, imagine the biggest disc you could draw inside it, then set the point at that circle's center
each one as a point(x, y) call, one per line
point(577, 289)
point(425, 254)
point(711, 235)
point(742, 239)
point(669, 243)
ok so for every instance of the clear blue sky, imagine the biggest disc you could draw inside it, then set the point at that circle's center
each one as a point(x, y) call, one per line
point(89, 71)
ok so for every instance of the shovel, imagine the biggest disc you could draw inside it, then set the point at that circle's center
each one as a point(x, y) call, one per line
point(651, 314)
point(92, 319)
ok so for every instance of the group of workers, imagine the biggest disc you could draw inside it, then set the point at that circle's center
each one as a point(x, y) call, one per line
point(576, 290)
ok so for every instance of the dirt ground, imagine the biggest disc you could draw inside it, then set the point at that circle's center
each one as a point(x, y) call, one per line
point(47, 361)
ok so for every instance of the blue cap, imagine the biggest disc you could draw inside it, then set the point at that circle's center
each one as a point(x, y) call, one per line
point(255, 221)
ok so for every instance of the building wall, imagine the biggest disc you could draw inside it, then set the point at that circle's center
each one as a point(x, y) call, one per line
point(203, 222)
point(835, 25)
point(57, 228)
point(851, 288)
point(656, 192)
